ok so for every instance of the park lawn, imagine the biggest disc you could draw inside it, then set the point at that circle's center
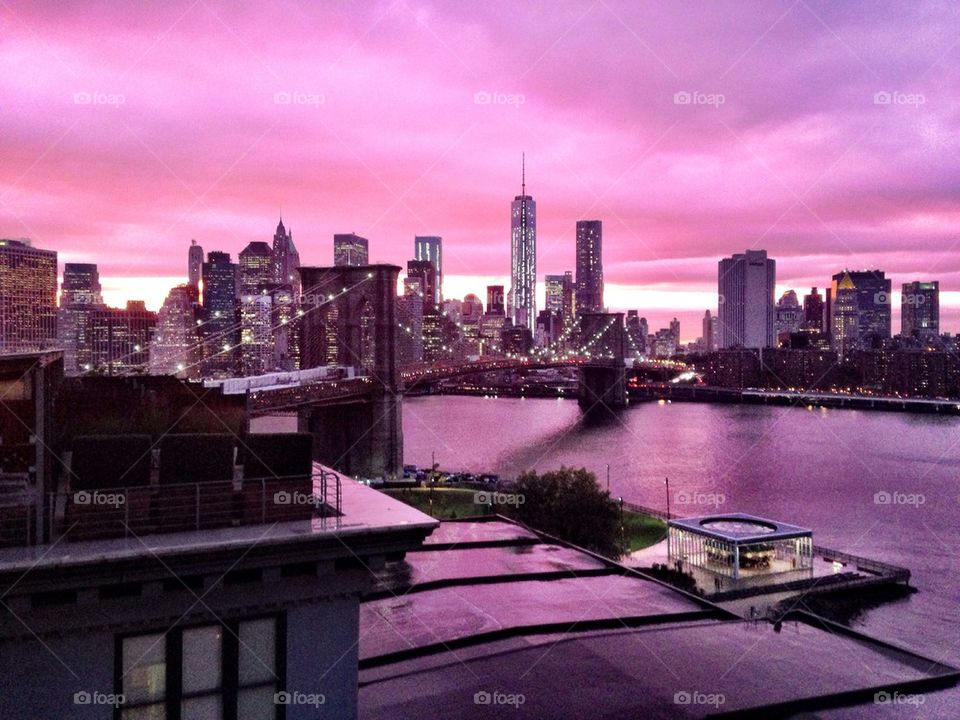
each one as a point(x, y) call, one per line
point(448, 503)
point(642, 531)
point(639, 531)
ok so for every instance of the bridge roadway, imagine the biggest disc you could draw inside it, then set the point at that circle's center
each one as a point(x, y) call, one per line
point(352, 389)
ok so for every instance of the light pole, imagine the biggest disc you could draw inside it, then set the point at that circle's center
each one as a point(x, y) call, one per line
point(667, 483)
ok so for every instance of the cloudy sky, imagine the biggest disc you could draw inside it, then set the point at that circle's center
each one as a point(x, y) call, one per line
point(826, 133)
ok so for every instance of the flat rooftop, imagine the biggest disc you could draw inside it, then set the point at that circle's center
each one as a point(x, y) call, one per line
point(740, 528)
point(486, 612)
point(365, 512)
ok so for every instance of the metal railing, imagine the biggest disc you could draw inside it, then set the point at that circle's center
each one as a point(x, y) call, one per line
point(876, 567)
point(187, 507)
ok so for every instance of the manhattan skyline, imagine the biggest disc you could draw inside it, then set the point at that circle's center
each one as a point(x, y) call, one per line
point(766, 129)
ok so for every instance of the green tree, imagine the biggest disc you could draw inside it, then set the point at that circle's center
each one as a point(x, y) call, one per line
point(569, 504)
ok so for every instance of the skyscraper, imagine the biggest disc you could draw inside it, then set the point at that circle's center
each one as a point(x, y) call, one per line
point(28, 288)
point(194, 263)
point(257, 269)
point(495, 300)
point(553, 285)
point(424, 272)
point(350, 249)
point(589, 266)
point(175, 348)
point(708, 339)
point(523, 256)
point(920, 310)
point(788, 317)
point(872, 306)
point(80, 294)
point(845, 316)
point(220, 328)
point(746, 285)
point(285, 259)
point(430, 247)
point(120, 338)
point(814, 312)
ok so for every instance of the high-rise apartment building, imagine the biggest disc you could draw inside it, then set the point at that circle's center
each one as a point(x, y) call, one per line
point(589, 266)
point(120, 339)
point(256, 268)
point(745, 285)
point(424, 272)
point(28, 297)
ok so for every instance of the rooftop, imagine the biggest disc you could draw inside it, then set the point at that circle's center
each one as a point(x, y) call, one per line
point(488, 613)
point(740, 528)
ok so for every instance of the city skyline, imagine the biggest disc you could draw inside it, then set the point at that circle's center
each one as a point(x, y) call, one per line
point(829, 178)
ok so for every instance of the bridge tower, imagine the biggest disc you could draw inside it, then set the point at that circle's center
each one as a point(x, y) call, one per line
point(349, 320)
point(603, 378)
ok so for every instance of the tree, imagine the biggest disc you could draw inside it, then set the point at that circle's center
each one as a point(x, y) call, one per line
point(569, 504)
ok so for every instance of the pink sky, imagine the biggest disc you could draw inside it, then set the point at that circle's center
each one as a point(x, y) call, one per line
point(183, 137)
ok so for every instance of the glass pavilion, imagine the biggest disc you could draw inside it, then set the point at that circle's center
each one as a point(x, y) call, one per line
point(739, 546)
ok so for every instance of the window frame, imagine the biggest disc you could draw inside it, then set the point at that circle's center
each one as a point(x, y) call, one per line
point(230, 686)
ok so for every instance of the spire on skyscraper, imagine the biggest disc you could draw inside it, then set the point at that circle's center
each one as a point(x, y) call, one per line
point(523, 173)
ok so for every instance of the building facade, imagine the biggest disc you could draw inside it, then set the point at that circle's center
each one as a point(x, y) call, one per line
point(920, 310)
point(350, 249)
point(430, 248)
point(28, 297)
point(589, 291)
point(746, 284)
point(523, 258)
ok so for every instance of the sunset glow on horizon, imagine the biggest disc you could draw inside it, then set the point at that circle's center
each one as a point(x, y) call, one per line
point(827, 134)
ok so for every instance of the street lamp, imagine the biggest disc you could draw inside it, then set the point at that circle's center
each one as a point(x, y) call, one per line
point(667, 483)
